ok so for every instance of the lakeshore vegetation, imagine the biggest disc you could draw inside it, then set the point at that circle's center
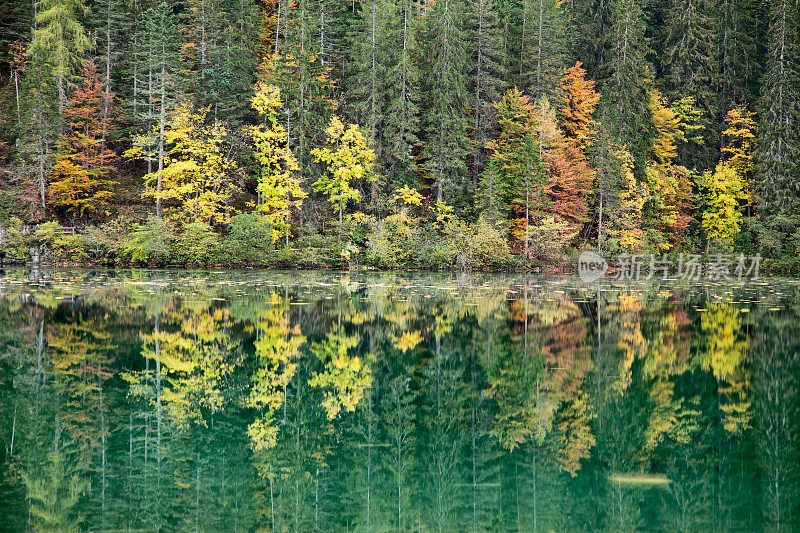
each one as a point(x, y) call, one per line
point(437, 134)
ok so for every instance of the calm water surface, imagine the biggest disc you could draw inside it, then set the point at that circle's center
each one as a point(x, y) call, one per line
point(211, 401)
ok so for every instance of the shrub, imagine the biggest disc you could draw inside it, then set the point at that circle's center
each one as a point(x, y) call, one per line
point(69, 249)
point(480, 246)
point(14, 246)
point(149, 243)
point(248, 241)
point(393, 241)
point(196, 245)
point(549, 239)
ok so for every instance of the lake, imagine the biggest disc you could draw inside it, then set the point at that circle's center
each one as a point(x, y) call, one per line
point(318, 401)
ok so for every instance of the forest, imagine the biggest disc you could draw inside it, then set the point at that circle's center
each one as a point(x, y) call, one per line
point(418, 134)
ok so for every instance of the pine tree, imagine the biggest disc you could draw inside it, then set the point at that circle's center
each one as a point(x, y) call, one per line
point(80, 182)
point(627, 99)
point(735, 53)
point(445, 119)
point(59, 39)
point(486, 77)
point(365, 87)
point(278, 188)
point(38, 133)
point(304, 79)
point(156, 62)
point(778, 186)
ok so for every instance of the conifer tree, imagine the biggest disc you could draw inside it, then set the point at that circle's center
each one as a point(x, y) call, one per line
point(487, 75)
point(38, 128)
point(628, 77)
point(402, 83)
point(445, 87)
point(542, 54)
point(156, 64)
point(690, 65)
point(778, 186)
point(60, 39)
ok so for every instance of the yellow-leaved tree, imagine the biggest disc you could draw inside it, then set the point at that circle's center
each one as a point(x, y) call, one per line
point(197, 181)
point(278, 186)
point(627, 226)
point(721, 193)
point(348, 159)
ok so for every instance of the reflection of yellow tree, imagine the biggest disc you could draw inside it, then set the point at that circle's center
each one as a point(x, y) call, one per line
point(345, 376)
point(80, 359)
point(575, 435)
point(277, 348)
point(195, 360)
point(631, 341)
point(723, 353)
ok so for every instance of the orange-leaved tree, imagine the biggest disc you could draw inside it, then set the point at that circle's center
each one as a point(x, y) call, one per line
point(579, 99)
point(80, 181)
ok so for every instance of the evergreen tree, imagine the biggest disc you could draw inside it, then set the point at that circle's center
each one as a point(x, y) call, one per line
point(626, 88)
point(403, 91)
point(486, 77)
point(690, 65)
point(778, 186)
point(155, 90)
point(542, 55)
point(445, 120)
point(59, 39)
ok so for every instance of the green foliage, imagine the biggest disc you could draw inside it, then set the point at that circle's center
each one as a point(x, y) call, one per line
point(150, 243)
point(196, 245)
point(248, 241)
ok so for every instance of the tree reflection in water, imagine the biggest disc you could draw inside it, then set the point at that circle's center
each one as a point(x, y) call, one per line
point(320, 401)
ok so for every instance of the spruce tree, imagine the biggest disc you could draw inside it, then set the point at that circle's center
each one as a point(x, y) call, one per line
point(626, 88)
point(445, 118)
point(691, 70)
point(778, 183)
point(486, 78)
point(542, 55)
point(402, 83)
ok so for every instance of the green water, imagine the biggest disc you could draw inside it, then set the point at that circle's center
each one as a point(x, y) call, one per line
point(230, 401)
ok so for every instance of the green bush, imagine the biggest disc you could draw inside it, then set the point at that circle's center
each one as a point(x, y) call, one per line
point(14, 248)
point(394, 241)
point(197, 245)
point(69, 249)
point(549, 239)
point(249, 240)
point(481, 246)
point(149, 243)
